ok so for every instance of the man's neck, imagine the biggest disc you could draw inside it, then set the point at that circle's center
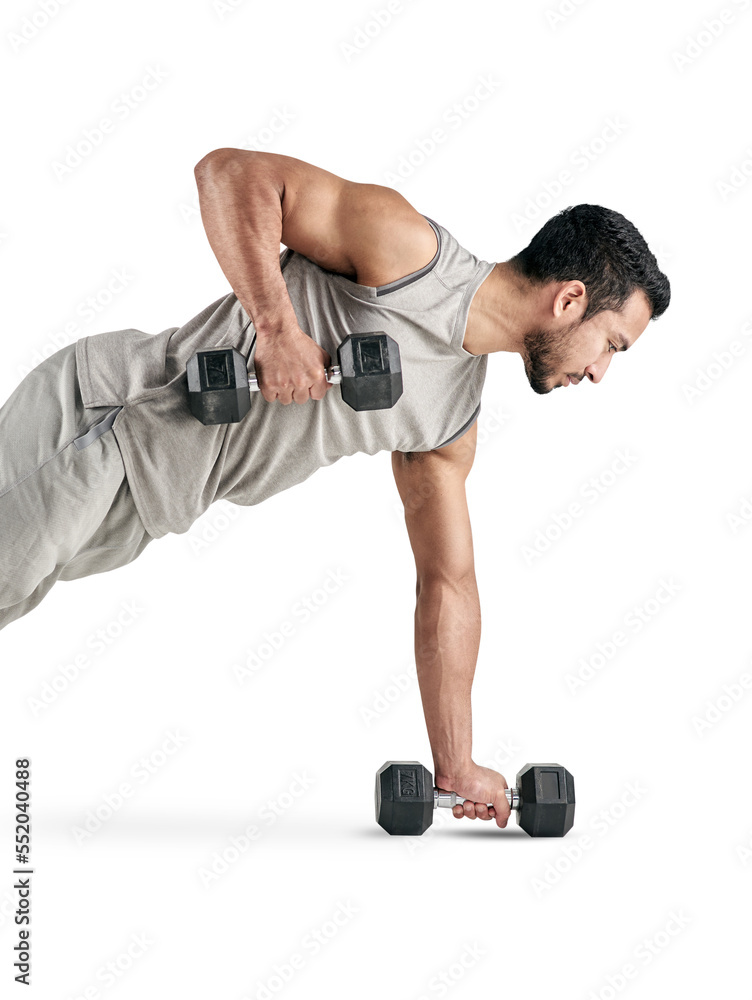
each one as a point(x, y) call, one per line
point(499, 313)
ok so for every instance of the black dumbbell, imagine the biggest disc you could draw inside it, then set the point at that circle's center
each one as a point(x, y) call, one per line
point(406, 799)
point(369, 373)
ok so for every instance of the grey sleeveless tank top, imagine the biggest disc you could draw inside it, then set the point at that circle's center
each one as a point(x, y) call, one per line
point(177, 467)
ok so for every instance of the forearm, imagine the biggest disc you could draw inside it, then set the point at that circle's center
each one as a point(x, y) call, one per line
point(447, 638)
point(241, 209)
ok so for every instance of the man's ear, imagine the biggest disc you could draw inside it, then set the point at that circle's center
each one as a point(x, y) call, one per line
point(570, 301)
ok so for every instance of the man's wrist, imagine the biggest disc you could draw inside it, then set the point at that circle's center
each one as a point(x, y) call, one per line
point(446, 771)
point(270, 325)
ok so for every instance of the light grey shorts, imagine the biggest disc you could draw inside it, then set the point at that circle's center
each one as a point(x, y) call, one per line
point(66, 509)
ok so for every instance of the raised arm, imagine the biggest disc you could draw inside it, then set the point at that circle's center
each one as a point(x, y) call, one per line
point(447, 617)
point(253, 201)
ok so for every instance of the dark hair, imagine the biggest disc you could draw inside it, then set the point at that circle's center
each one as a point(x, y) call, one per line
point(601, 249)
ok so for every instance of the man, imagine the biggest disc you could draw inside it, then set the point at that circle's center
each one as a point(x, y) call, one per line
point(100, 453)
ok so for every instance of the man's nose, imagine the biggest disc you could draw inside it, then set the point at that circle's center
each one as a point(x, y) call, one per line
point(597, 370)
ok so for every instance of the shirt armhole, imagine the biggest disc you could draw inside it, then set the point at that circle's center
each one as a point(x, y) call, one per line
point(465, 427)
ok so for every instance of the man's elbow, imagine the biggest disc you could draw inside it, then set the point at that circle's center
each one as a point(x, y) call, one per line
point(224, 158)
point(207, 162)
point(439, 582)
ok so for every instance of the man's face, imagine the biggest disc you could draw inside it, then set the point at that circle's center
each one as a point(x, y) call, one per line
point(569, 351)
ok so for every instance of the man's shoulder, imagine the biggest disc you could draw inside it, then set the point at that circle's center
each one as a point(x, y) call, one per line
point(394, 239)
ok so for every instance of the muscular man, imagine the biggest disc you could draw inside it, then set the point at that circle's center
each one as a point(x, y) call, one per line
point(99, 453)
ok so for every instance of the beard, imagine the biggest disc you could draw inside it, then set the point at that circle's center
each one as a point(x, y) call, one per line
point(545, 356)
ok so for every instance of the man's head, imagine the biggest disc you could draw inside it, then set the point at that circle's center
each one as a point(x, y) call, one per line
point(596, 285)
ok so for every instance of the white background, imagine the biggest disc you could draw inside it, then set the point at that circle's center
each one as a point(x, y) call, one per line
point(658, 747)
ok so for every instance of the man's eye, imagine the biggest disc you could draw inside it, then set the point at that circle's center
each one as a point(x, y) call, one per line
point(612, 347)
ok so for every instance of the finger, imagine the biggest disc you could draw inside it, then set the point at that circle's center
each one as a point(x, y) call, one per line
point(458, 812)
point(481, 810)
point(469, 808)
point(270, 389)
point(503, 812)
point(300, 395)
point(274, 396)
point(320, 388)
point(284, 393)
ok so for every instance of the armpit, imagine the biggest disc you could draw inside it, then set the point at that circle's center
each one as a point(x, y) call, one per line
point(414, 456)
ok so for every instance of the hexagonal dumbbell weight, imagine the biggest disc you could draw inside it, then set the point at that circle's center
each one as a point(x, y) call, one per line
point(369, 374)
point(405, 799)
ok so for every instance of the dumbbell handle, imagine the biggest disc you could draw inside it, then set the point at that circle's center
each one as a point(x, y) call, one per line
point(333, 375)
point(450, 799)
